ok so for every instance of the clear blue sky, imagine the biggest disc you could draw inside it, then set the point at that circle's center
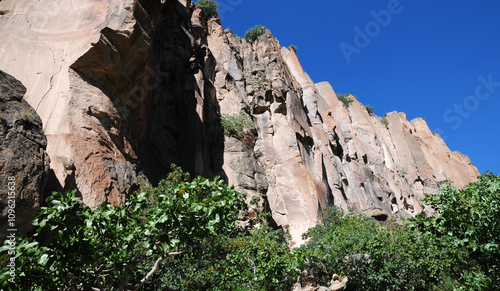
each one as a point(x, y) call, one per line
point(434, 59)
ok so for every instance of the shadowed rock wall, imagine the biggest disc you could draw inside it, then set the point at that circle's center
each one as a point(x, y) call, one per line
point(23, 159)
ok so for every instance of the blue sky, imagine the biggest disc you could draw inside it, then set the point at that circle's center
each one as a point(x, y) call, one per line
point(434, 59)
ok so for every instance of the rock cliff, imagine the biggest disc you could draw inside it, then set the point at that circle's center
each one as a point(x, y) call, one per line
point(311, 150)
point(124, 88)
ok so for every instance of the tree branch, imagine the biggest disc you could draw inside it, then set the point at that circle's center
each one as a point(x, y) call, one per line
point(157, 264)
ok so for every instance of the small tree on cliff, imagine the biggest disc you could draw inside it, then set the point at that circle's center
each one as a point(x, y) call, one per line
point(210, 7)
point(253, 33)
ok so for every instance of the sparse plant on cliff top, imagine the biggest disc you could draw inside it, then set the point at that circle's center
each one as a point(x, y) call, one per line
point(384, 120)
point(235, 125)
point(369, 108)
point(345, 98)
point(253, 33)
point(210, 7)
point(293, 47)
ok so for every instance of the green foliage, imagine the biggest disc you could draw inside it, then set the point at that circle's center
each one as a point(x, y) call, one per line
point(466, 227)
point(255, 200)
point(235, 125)
point(210, 7)
point(253, 33)
point(371, 255)
point(257, 259)
point(345, 98)
point(384, 121)
point(369, 108)
point(293, 47)
point(455, 249)
point(116, 247)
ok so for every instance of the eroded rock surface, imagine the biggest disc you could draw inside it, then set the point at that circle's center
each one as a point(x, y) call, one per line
point(127, 87)
point(23, 159)
point(123, 88)
point(310, 150)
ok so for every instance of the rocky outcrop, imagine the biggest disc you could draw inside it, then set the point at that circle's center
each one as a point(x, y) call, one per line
point(126, 88)
point(123, 88)
point(23, 159)
point(310, 150)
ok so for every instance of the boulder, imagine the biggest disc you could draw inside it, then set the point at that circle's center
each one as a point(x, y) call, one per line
point(23, 157)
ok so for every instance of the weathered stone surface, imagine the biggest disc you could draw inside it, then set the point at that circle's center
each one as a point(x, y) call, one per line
point(123, 87)
point(314, 151)
point(23, 158)
point(127, 87)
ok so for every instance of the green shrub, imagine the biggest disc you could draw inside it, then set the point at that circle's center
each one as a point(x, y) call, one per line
point(346, 99)
point(235, 125)
point(455, 249)
point(114, 248)
point(293, 47)
point(371, 255)
point(253, 33)
point(369, 108)
point(210, 7)
point(257, 259)
point(466, 226)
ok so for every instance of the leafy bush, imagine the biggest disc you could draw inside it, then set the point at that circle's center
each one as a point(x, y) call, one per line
point(293, 47)
point(257, 259)
point(235, 125)
point(369, 108)
point(466, 227)
point(121, 247)
point(253, 33)
point(457, 248)
point(371, 255)
point(345, 98)
point(210, 7)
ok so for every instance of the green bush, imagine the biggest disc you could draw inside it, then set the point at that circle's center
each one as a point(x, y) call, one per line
point(235, 125)
point(369, 108)
point(457, 248)
point(371, 255)
point(257, 259)
point(210, 7)
point(253, 33)
point(466, 227)
point(293, 47)
point(116, 248)
point(346, 99)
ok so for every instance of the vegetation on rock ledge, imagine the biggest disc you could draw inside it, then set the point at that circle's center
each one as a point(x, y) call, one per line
point(210, 7)
point(235, 125)
point(253, 33)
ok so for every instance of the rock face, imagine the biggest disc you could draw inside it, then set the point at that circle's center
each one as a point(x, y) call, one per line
point(121, 87)
point(310, 150)
point(23, 159)
point(127, 87)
